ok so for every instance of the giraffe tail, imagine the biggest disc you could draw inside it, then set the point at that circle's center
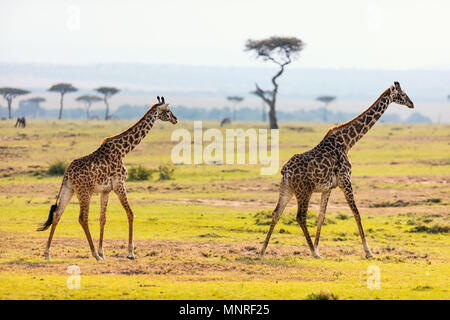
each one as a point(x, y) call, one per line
point(49, 221)
point(53, 208)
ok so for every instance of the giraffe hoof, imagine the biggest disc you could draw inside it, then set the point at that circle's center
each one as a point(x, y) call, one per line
point(369, 255)
point(317, 256)
point(130, 256)
point(47, 257)
point(97, 257)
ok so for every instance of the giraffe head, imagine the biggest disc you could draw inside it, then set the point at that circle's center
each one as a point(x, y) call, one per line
point(399, 96)
point(164, 113)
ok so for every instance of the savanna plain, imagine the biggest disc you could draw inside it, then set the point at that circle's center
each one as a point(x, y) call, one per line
point(199, 229)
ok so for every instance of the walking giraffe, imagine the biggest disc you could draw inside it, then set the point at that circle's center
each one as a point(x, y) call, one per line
point(327, 166)
point(102, 172)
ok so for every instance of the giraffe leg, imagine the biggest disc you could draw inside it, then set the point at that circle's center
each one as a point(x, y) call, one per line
point(121, 193)
point(323, 208)
point(103, 204)
point(303, 201)
point(64, 198)
point(346, 187)
point(83, 219)
point(285, 196)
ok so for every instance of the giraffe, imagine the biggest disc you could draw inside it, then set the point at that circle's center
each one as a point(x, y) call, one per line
point(327, 166)
point(103, 171)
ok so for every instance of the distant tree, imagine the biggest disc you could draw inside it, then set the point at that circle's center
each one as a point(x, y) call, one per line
point(9, 94)
point(88, 100)
point(62, 88)
point(37, 100)
point(326, 100)
point(264, 112)
point(107, 92)
point(417, 117)
point(281, 51)
point(235, 100)
point(33, 105)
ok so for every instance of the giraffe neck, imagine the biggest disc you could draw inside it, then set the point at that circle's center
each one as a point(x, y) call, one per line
point(126, 141)
point(352, 131)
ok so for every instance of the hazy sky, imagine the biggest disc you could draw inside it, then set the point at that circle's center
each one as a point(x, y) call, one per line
point(338, 34)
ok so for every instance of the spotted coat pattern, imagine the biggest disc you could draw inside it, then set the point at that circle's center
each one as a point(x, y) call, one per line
point(327, 166)
point(103, 171)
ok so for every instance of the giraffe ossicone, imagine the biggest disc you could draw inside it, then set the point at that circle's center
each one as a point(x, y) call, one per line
point(103, 171)
point(327, 166)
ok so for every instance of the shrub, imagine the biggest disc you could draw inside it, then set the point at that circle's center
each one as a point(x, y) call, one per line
point(341, 216)
point(322, 295)
point(57, 168)
point(434, 229)
point(423, 288)
point(263, 218)
point(166, 171)
point(139, 173)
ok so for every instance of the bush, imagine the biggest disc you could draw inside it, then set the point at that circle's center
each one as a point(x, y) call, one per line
point(263, 218)
point(166, 171)
point(433, 230)
point(341, 216)
point(57, 168)
point(322, 296)
point(139, 173)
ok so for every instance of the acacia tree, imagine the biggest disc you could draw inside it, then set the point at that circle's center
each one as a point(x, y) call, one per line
point(107, 92)
point(62, 88)
point(326, 100)
point(35, 104)
point(9, 94)
point(88, 100)
point(281, 51)
point(234, 101)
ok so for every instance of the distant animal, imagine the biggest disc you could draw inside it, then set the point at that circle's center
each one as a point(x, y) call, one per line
point(225, 121)
point(21, 122)
point(102, 172)
point(327, 166)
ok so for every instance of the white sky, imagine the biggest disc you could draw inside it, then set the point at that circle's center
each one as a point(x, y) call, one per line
point(368, 34)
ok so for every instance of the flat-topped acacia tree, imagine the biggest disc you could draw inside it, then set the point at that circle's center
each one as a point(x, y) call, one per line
point(62, 88)
point(88, 100)
point(9, 94)
point(35, 104)
point(235, 100)
point(326, 100)
point(107, 92)
point(281, 51)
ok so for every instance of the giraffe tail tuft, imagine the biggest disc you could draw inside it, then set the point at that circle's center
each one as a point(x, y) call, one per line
point(49, 221)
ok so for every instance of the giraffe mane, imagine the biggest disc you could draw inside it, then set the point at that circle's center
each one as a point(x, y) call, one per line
point(134, 125)
point(330, 131)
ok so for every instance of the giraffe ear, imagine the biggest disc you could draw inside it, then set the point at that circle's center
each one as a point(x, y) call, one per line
point(162, 100)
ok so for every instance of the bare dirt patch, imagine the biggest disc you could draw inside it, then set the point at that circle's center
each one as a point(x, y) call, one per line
point(177, 258)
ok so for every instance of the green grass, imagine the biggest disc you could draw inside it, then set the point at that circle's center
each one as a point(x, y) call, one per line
point(197, 234)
